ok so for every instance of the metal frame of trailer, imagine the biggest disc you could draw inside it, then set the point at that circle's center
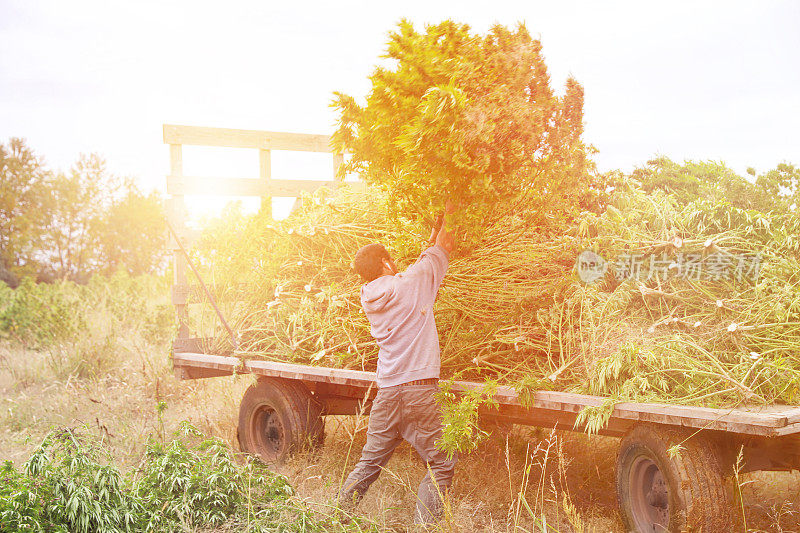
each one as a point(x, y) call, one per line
point(673, 459)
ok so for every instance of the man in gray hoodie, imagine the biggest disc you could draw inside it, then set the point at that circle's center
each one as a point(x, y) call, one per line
point(399, 306)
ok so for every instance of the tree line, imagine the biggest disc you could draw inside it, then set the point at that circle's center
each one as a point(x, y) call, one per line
point(70, 225)
point(776, 190)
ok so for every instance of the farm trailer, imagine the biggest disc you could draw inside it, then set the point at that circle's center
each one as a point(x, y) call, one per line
point(658, 489)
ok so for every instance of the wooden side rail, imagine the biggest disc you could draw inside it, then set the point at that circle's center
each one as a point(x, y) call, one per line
point(553, 406)
point(265, 187)
point(182, 185)
point(235, 138)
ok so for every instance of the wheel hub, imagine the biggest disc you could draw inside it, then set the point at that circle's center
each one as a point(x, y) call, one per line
point(658, 495)
point(270, 431)
point(649, 496)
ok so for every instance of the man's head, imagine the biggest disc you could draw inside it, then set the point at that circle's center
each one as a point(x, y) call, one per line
point(373, 261)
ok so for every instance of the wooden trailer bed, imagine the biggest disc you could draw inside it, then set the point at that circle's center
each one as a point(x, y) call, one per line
point(549, 408)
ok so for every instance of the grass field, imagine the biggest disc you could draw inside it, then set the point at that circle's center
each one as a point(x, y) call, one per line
point(534, 480)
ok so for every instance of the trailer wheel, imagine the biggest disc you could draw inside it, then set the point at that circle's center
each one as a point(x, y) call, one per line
point(659, 493)
point(278, 417)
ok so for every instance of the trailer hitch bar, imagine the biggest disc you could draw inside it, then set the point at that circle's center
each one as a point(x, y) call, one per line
point(211, 299)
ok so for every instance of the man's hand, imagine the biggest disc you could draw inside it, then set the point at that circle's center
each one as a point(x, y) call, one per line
point(445, 238)
point(435, 229)
point(446, 241)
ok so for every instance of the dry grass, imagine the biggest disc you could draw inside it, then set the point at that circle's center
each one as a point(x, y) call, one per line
point(533, 480)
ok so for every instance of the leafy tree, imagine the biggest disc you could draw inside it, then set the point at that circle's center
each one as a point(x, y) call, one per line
point(467, 118)
point(79, 200)
point(703, 180)
point(132, 233)
point(75, 224)
point(782, 183)
point(99, 224)
point(23, 193)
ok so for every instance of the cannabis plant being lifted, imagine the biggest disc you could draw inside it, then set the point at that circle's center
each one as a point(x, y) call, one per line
point(467, 118)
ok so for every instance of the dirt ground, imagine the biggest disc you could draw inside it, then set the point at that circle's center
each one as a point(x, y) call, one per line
point(500, 487)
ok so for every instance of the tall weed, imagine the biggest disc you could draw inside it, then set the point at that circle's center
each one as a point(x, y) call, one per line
point(64, 487)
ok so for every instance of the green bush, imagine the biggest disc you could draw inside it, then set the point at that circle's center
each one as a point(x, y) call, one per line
point(200, 484)
point(64, 487)
point(42, 315)
point(37, 314)
point(188, 483)
point(20, 508)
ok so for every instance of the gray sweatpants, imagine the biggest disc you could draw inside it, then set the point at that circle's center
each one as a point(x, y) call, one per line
point(407, 412)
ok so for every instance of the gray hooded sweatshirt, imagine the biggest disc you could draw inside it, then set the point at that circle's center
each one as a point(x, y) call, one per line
point(400, 313)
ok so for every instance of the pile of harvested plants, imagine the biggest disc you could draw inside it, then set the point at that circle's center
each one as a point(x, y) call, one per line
point(698, 303)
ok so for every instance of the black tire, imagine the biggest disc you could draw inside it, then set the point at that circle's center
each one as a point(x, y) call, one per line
point(277, 417)
point(310, 410)
point(659, 493)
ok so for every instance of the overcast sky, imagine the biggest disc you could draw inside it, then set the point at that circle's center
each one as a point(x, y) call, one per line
point(691, 80)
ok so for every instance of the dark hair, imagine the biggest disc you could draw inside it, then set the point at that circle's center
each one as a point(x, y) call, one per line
point(368, 263)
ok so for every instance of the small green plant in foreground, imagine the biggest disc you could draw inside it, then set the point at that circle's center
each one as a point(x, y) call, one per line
point(200, 484)
point(63, 487)
point(190, 482)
